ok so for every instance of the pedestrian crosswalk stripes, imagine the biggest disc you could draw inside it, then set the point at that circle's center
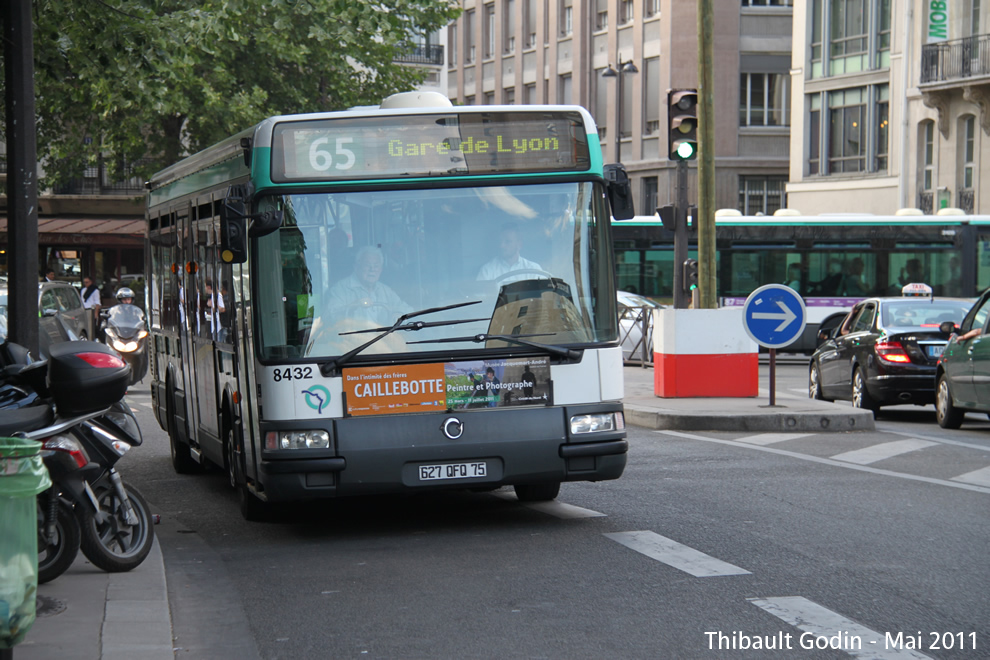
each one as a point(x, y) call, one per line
point(679, 556)
point(979, 477)
point(772, 438)
point(954, 482)
point(884, 450)
point(554, 508)
point(826, 629)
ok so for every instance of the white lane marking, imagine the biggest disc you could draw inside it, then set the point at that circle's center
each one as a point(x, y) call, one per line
point(821, 622)
point(672, 553)
point(829, 461)
point(771, 438)
point(765, 392)
point(942, 441)
point(979, 477)
point(554, 508)
point(884, 450)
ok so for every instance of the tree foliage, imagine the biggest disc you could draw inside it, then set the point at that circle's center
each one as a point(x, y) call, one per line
point(148, 81)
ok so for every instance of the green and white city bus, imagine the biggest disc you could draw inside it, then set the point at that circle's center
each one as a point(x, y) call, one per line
point(391, 300)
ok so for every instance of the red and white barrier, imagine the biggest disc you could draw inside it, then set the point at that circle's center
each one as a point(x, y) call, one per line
point(703, 353)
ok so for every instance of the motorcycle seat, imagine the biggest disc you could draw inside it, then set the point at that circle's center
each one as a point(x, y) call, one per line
point(22, 420)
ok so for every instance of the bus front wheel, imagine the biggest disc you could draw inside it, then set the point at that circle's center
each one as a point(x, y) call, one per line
point(537, 492)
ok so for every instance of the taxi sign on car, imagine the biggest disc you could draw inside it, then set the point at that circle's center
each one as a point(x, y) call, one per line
point(916, 290)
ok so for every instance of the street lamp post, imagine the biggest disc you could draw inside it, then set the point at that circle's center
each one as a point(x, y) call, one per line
point(622, 68)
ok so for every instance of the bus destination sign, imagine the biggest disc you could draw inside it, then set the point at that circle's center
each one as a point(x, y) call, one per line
point(449, 144)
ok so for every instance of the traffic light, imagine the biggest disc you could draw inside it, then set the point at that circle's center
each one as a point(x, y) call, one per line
point(690, 279)
point(682, 121)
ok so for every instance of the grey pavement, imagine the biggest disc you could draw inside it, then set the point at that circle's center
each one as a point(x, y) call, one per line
point(87, 614)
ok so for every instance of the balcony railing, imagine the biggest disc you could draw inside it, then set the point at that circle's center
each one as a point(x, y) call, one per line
point(423, 54)
point(958, 59)
point(97, 181)
point(965, 199)
point(926, 202)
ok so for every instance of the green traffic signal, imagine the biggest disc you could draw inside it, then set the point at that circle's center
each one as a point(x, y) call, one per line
point(685, 150)
point(682, 124)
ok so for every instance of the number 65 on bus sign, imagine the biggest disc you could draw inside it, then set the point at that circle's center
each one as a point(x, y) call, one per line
point(321, 159)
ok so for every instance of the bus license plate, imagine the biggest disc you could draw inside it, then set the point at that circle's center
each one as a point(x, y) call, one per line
point(453, 471)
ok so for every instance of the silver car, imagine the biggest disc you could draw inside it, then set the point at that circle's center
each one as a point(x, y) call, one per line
point(60, 309)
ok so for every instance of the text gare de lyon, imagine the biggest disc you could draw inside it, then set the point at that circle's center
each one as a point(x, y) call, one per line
point(502, 145)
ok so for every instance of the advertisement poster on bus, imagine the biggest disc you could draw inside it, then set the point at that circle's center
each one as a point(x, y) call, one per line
point(434, 387)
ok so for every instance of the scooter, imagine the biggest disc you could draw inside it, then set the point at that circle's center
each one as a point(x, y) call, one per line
point(88, 506)
point(124, 330)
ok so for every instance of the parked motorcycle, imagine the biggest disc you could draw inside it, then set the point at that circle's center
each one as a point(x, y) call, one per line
point(124, 329)
point(88, 507)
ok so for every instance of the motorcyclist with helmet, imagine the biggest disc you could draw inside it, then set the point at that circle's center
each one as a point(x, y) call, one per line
point(124, 330)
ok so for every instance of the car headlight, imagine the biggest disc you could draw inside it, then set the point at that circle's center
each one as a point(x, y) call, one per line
point(297, 440)
point(597, 422)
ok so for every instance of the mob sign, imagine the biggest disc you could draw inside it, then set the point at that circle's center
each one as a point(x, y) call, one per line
point(938, 20)
point(774, 315)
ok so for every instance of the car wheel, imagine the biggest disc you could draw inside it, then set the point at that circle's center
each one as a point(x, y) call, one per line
point(815, 384)
point(946, 413)
point(860, 395)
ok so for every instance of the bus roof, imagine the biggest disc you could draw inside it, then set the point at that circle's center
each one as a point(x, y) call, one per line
point(825, 219)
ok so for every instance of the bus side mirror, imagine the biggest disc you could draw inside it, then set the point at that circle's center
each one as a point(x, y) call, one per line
point(233, 232)
point(619, 192)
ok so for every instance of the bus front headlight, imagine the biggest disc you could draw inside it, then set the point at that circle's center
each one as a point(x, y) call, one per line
point(297, 440)
point(597, 422)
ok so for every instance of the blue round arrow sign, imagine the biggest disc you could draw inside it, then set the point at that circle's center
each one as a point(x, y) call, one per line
point(774, 315)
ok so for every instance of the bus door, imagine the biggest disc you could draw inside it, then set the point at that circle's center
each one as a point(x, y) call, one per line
point(186, 258)
point(206, 321)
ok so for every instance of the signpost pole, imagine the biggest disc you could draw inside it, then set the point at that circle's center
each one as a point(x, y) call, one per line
point(773, 376)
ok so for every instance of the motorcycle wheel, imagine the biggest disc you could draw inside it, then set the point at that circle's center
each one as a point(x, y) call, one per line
point(55, 558)
point(113, 545)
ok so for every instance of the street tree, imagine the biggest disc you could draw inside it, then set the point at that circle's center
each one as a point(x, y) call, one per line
point(141, 83)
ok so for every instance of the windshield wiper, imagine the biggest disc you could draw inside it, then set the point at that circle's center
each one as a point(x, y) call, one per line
point(327, 368)
point(416, 325)
point(560, 351)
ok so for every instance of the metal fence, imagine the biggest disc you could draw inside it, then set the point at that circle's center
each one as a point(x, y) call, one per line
point(423, 54)
point(957, 59)
point(635, 335)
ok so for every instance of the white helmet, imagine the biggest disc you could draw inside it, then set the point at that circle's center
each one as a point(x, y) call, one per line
point(124, 292)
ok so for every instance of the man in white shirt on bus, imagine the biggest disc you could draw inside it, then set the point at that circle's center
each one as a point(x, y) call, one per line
point(509, 258)
point(361, 296)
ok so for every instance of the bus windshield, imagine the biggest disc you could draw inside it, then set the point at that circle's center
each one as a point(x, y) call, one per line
point(532, 260)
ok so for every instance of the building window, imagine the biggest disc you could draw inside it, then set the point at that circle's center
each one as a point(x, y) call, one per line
point(767, 3)
point(566, 18)
point(529, 94)
point(509, 26)
point(488, 37)
point(761, 195)
point(764, 99)
point(857, 34)
point(853, 131)
point(974, 18)
point(529, 23)
point(469, 36)
point(625, 12)
point(928, 156)
point(564, 90)
point(846, 143)
point(509, 95)
point(651, 96)
point(452, 45)
point(650, 195)
point(469, 100)
point(968, 151)
point(488, 98)
point(601, 14)
point(600, 107)
point(651, 8)
point(883, 129)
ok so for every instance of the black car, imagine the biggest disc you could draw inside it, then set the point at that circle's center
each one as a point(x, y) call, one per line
point(962, 378)
point(885, 352)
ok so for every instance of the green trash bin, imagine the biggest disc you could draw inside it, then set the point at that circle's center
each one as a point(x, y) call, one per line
point(22, 476)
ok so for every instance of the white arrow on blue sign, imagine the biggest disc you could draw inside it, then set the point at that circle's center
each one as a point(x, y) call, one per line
point(774, 315)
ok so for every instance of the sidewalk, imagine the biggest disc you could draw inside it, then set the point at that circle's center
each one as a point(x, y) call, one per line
point(87, 614)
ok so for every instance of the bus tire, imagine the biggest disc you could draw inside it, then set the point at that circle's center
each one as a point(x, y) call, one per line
point(537, 492)
point(182, 460)
point(233, 453)
point(861, 397)
point(947, 414)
